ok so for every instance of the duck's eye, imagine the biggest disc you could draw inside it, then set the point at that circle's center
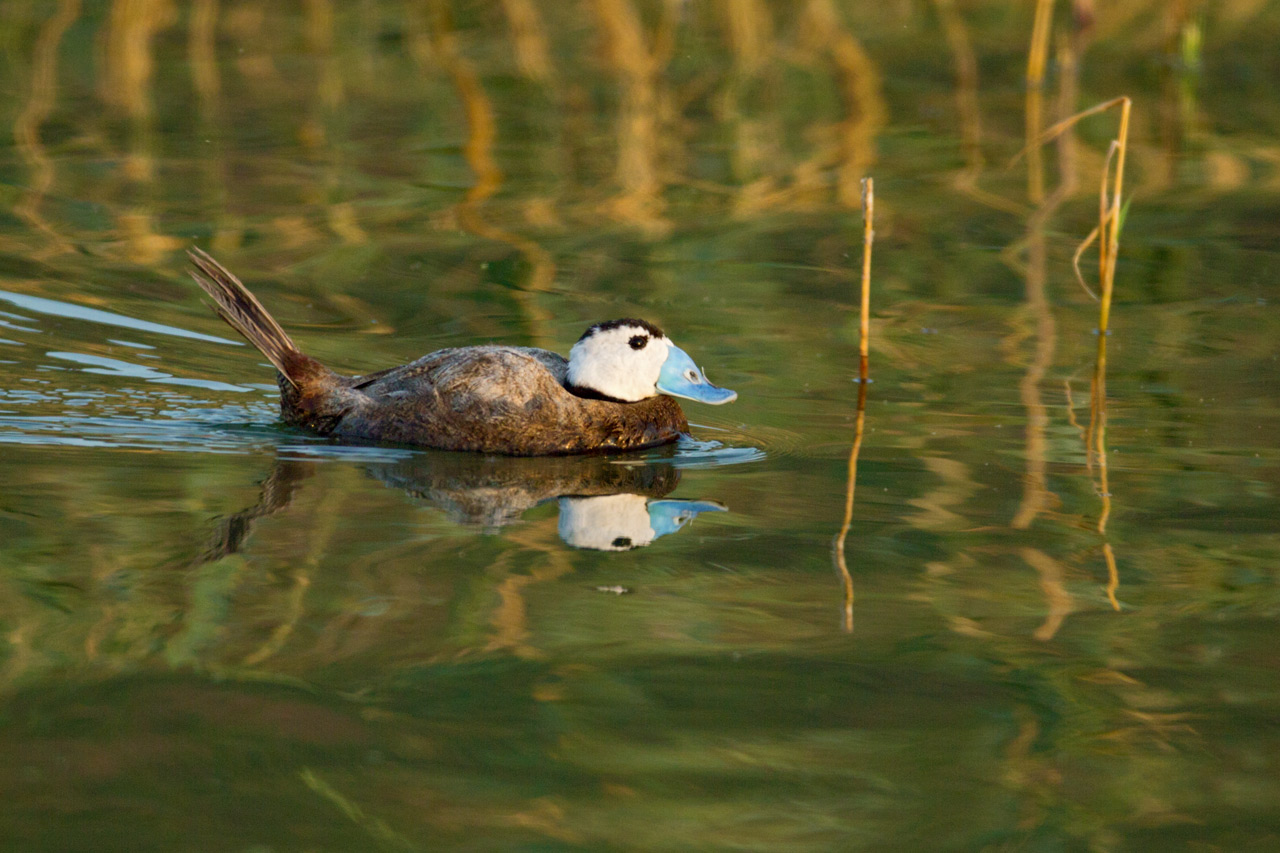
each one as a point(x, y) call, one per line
point(692, 376)
point(638, 341)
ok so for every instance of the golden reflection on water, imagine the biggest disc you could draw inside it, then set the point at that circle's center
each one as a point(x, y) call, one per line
point(510, 617)
point(202, 31)
point(533, 53)
point(851, 484)
point(637, 63)
point(755, 137)
point(966, 180)
point(1036, 494)
point(1096, 449)
point(128, 58)
point(478, 150)
point(26, 131)
point(649, 145)
point(864, 102)
point(322, 130)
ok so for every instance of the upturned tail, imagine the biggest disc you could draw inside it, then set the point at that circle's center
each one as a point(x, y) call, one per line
point(244, 313)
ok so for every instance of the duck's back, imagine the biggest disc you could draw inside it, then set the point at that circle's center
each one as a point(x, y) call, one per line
point(496, 399)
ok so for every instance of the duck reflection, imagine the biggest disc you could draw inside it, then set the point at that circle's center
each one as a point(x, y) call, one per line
point(625, 521)
point(606, 504)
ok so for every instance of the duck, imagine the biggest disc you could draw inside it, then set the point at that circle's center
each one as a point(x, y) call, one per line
point(615, 392)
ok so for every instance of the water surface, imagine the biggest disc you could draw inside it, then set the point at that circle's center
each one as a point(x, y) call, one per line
point(1055, 624)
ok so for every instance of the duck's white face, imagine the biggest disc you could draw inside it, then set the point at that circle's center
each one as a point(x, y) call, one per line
point(631, 360)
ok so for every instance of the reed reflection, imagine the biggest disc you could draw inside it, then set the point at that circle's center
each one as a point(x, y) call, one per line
point(637, 63)
point(851, 483)
point(227, 227)
point(478, 150)
point(1037, 497)
point(26, 130)
point(1096, 455)
point(129, 50)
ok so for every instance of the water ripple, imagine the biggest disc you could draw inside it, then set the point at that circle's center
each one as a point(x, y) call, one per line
point(54, 308)
point(116, 367)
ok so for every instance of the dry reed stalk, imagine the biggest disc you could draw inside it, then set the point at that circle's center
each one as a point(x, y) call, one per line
point(1109, 219)
point(868, 235)
point(1037, 58)
point(1110, 203)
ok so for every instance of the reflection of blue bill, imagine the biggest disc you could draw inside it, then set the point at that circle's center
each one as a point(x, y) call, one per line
point(668, 516)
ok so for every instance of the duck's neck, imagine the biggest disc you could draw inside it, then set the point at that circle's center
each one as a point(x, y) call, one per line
point(590, 393)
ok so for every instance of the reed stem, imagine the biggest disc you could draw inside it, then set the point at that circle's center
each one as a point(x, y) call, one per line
point(868, 236)
point(1109, 224)
point(1037, 58)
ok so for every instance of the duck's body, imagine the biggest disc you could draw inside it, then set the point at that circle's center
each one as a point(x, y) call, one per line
point(496, 399)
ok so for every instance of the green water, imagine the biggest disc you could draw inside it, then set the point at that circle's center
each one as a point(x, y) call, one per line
point(217, 633)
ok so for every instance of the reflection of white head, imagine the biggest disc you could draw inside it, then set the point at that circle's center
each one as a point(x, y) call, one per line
point(623, 522)
point(606, 522)
point(620, 360)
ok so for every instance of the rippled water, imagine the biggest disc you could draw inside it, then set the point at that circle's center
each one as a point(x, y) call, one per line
point(1052, 623)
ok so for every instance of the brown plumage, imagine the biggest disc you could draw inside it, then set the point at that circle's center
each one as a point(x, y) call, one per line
point(494, 399)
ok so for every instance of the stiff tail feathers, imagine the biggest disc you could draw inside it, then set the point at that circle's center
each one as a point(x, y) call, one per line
point(244, 313)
